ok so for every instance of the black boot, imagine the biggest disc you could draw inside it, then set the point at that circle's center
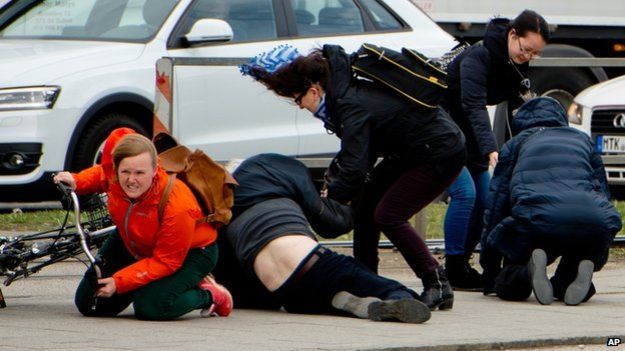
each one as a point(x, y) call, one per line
point(437, 292)
point(446, 290)
point(461, 275)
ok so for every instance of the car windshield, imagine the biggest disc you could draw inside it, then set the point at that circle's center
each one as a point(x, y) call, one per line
point(111, 20)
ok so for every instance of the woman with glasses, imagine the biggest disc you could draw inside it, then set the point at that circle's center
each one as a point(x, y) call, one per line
point(489, 72)
point(422, 152)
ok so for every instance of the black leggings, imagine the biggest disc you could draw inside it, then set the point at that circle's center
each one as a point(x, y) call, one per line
point(389, 199)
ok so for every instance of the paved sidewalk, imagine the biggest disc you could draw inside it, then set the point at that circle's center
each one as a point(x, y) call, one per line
point(41, 316)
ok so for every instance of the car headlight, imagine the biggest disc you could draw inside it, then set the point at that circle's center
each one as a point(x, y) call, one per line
point(28, 98)
point(576, 112)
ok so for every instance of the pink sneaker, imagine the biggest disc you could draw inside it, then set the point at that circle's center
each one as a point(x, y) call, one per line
point(222, 299)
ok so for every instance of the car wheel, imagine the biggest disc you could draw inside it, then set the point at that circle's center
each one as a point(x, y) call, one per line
point(562, 84)
point(92, 139)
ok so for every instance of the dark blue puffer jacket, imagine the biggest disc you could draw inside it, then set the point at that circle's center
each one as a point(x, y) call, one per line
point(549, 186)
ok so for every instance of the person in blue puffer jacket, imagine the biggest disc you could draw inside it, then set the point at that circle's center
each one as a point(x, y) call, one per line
point(548, 198)
point(490, 72)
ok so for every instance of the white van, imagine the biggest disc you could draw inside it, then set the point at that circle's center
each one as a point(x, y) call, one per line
point(73, 70)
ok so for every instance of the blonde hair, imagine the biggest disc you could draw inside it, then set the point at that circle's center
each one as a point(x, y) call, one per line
point(133, 145)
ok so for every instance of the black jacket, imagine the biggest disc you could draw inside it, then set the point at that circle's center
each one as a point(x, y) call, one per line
point(482, 75)
point(373, 122)
point(271, 176)
point(265, 177)
point(549, 186)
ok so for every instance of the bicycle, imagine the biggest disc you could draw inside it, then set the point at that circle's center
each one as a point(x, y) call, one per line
point(23, 255)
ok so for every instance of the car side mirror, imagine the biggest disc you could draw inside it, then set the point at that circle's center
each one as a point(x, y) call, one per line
point(209, 31)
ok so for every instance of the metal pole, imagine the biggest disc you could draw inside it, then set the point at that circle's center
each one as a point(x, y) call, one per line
point(578, 62)
point(436, 245)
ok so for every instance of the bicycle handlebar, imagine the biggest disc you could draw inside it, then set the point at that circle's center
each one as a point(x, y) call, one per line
point(68, 192)
point(25, 254)
point(64, 188)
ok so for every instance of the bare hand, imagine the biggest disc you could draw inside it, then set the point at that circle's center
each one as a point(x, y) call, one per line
point(493, 158)
point(66, 178)
point(107, 287)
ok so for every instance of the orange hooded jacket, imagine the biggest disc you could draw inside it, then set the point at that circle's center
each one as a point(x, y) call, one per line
point(160, 248)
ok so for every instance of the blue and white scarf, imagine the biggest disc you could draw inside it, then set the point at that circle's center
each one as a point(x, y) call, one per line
point(321, 112)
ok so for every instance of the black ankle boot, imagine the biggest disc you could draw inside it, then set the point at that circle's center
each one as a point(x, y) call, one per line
point(461, 275)
point(437, 292)
point(446, 290)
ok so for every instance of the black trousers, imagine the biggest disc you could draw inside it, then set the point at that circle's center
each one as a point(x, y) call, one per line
point(513, 282)
point(312, 291)
point(308, 291)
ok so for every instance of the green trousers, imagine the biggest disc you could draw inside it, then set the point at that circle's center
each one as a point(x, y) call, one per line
point(163, 299)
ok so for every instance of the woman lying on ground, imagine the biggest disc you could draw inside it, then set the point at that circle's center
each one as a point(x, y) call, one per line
point(271, 258)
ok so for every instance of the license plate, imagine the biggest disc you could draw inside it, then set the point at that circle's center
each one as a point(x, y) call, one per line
point(610, 144)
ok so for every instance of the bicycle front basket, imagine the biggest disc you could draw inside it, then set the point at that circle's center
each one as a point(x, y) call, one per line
point(96, 211)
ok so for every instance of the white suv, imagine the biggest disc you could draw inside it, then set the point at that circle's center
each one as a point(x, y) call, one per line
point(73, 70)
point(600, 112)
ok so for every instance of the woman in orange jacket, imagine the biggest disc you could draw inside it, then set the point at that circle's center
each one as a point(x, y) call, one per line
point(161, 265)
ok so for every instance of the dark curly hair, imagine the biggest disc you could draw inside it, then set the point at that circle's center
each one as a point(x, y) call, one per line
point(297, 76)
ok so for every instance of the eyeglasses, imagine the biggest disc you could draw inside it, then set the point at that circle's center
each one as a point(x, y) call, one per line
point(298, 98)
point(530, 54)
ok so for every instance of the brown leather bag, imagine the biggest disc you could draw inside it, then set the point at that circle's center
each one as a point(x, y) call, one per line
point(212, 185)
